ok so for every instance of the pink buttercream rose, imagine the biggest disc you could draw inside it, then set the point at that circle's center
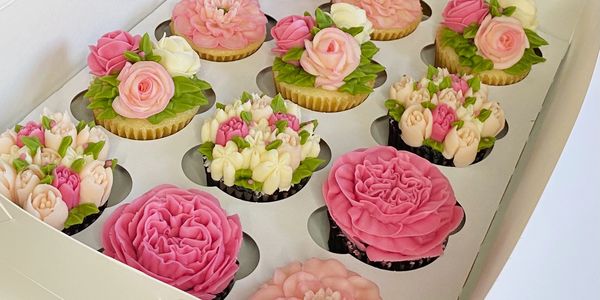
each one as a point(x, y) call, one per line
point(459, 14)
point(502, 40)
point(317, 279)
point(31, 129)
point(386, 14)
point(226, 24)
point(106, 57)
point(292, 121)
point(459, 84)
point(235, 126)
point(394, 205)
point(290, 32)
point(331, 56)
point(67, 182)
point(181, 237)
point(443, 116)
point(145, 89)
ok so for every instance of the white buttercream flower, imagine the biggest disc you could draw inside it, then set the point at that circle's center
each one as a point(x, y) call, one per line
point(401, 90)
point(261, 108)
point(93, 135)
point(290, 145)
point(16, 152)
point(61, 126)
point(177, 56)
point(45, 203)
point(7, 140)
point(495, 122)
point(209, 131)
point(25, 182)
point(451, 98)
point(346, 15)
point(417, 97)
point(461, 144)
point(274, 172)
point(416, 125)
point(226, 160)
point(46, 156)
point(526, 12)
point(8, 176)
point(96, 183)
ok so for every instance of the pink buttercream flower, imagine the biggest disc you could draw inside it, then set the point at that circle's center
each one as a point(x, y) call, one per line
point(502, 40)
point(317, 279)
point(331, 56)
point(228, 24)
point(292, 121)
point(386, 14)
point(31, 129)
point(394, 205)
point(181, 237)
point(230, 128)
point(106, 57)
point(145, 89)
point(67, 182)
point(443, 116)
point(290, 32)
point(459, 84)
point(459, 14)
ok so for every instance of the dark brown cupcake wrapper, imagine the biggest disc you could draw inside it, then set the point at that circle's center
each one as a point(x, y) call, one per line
point(87, 221)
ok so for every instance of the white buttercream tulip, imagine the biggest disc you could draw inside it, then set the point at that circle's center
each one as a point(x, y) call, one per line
point(252, 156)
point(226, 160)
point(7, 140)
point(236, 108)
point(8, 176)
point(177, 56)
point(25, 182)
point(416, 123)
point(260, 131)
point(46, 156)
point(16, 152)
point(401, 90)
point(74, 154)
point(441, 74)
point(261, 108)
point(293, 109)
point(45, 203)
point(274, 172)
point(462, 144)
point(346, 15)
point(96, 183)
point(417, 97)
point(480, 96)
point(496, 121)
point(290, 145)
point(450, 97)
point(62, 126)
point(93, 135)
point(526, 12)
point(209, 131)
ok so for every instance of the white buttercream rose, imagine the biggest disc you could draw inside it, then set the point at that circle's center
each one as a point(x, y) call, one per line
point(25, 182)
point(347, 16)
point(45, 203)
point(261, 131)
point(418, 97)
point(290, 145)
point(96, 183)
point(261, 108)
point(461, 144)
point(16, 152)
point(401, 90)
point(226, 160)
point(61, 126)
point(46, 156)
point(416, 124)
point(451, 98)
point(274, 172)
point(526, 12)
point(7, 140)
point(177, 56)
point(495, 122)
point(7, 180)
point(93, 135)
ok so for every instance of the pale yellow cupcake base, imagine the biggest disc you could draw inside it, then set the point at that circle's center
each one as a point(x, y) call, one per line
point(222, 55)
point(395, 33)
point(141, 129)
point(318, 99)
point(446, 57)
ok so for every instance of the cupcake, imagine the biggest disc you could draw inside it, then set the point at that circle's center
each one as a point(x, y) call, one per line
point(392, 19)
point(220, 30)
point(497, 41)
point(322, 65)
point(390, 209)
point(256, 149)
point(317, 279)
point(57, 171)
point(445, 118)
point(144, 91)
point(181, 237)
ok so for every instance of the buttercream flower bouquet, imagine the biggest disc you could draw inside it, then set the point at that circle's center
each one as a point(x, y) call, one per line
point(324, 63)
point(256, 149)
point(445, 118)
point(142, 90)
point(57, 171)
point(495, 39)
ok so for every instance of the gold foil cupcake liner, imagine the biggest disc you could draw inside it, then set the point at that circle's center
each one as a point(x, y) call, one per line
point(446, 57)
point(141, 129)
point(394, 34)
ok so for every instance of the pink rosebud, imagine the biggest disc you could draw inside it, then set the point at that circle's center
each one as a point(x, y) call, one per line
point(67, 182)
point(31, 129)
point(459, 14)
point(106, 57)
point(502, 40)
point(292, 121)
point(290, 32)
point(230, 128)
point(443, 116)
point(459, 84)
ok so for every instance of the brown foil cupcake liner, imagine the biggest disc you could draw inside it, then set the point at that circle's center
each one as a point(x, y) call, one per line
point(141, 129)
point(446, 57)
point(319, 99)
point(394, 34)
point(87, 221)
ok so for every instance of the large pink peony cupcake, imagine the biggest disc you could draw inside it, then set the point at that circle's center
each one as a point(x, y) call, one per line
point(317, 279)
point(391, 209)
point(181, 237)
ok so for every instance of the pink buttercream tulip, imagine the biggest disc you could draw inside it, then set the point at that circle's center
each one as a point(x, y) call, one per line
point(31, 129)
point(502, 40)
point(459, 14)
point(386, 14)
point(459, 84)
point(230, 128)
point(67, 182)
point(292, 121)
point(443, 116)
point(331, 56)
point(181, 237)
point(290, 32)
point(106, 57)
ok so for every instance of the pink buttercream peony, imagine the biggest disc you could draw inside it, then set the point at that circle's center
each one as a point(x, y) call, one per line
point(502, 40)
point(67, 182)
point(145, 90)
point(290, 32)
point(292, 120)
point(388, 14)
point(459, 14)
point(317, 279)
point(392, 204)
point(443, 116)
point(181, 237)
point(226, 24)
point(331, 56)
point(231, 128)
point(31, 129)
point(106, 57)
point(459, 84)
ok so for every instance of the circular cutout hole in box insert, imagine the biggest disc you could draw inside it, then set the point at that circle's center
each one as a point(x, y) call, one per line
point(427, 12)
point(324, 154)
point(163, 29)
point(271, 22)
point(248, 257)
point(428, 54)
point(122, 184)
point(193, 166)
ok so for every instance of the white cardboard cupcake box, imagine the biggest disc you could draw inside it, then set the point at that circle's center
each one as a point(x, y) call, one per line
point(498, 194)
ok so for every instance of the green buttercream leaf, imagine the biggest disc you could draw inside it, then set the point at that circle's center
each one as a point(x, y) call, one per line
point(353, 31)
point(132, 56)
point(278, 104)
point(100, 104)
point(315, 123)
point(484, 65)
point(18, 128)
point(307, 14)
point(274, 144)
point(312, 163)
point(355, 87)
point(245, 97)
point(446, 83)
point(281, 125)
point(46, 122)
point(475, 84)
point(242, 174)
point(206, 149)
point(107, 114)
point(65, 143)
point(20, 164)
point(48, 169)
point(484, 114)
point(161, 116)
point(79, 212)
point(47, 179)
point(432, 88)
point(304, 135)
point(535, 41)
point(94, 149)
point(509, 11)
point(80, 126)
point(469, 101)
point(114, 163)
point(486, 143)
point(371, 68)
point(470, 31)
point(431, 72)
point(77, 165)
point(306, 168)
point(428, 105)
point(103, 88)
point(495, 8)
point(220, 106)
point(146, 45)
point(390, 104)
point(249, 184)
point(293, 54)
point(153, 57)
point(246, 116)
point(433, 144)
point(240, 142)
point(368, 49)
point(314, 30)
point(459, 124)
point(524, 65)
point(110, 80)
point(291, 74)
point(32, 142)
point(323, 19)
